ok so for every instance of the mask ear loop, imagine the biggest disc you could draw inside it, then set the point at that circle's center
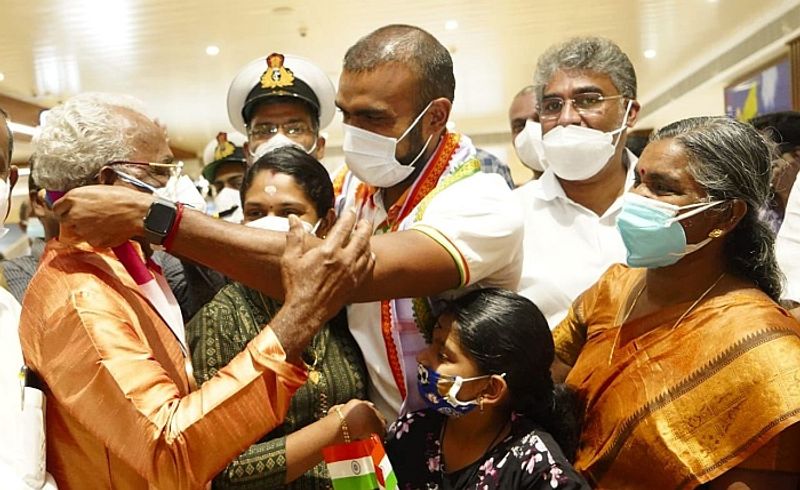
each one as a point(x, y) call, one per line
point(313, 147)
point(414, 123)
point(698, 208)
point(453, 392)
point(457, 382)
point(421, 151)
point(315, 227)
point(624, 125)
point(134, 181)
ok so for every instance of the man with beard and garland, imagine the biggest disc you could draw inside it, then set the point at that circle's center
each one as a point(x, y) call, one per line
point(440, 224)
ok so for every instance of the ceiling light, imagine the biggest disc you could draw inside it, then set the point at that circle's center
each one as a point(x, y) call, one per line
point(649, 53)
point(212, 50)
point(2, 76)
point(451, 25)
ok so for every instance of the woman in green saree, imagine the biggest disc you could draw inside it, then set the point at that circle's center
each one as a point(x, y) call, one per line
point(282, 182)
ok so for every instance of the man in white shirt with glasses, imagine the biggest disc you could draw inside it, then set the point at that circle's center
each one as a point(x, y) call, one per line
point(586, 89)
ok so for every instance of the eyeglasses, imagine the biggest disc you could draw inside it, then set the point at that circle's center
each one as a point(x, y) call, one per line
point(267, 130)
point(587, 103)
point(157, 165)
point(157, 170)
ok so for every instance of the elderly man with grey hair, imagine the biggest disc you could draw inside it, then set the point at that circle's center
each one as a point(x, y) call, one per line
point(586, 88)
point(123, 409)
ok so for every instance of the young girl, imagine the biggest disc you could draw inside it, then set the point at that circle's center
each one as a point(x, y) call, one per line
point(492, 405)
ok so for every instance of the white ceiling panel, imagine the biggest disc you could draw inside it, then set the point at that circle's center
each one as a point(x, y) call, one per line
point(156, 50)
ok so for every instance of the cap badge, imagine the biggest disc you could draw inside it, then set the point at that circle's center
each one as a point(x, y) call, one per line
point(276, 75)
point(224, 147)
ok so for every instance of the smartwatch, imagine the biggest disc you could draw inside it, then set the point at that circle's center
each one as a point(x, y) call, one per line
point(158, 220)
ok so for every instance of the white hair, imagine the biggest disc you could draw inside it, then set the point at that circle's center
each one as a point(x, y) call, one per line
point(79, 136)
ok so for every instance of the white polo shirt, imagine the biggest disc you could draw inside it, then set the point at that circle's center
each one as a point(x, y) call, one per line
point(567, 246)
point(474, 217)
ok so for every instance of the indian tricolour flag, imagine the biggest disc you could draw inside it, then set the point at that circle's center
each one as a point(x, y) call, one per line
point(360, 465)
point(383, 467)
point(350, 466)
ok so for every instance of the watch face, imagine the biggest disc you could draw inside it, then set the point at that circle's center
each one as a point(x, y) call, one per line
point(159, 218)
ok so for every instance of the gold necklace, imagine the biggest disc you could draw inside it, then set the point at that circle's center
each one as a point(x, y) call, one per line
point(633, 305)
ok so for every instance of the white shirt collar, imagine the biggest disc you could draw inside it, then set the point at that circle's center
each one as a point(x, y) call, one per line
point(549, 187)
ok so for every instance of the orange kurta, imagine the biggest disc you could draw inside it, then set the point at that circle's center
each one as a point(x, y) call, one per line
point(675, 408)
point(119, 409)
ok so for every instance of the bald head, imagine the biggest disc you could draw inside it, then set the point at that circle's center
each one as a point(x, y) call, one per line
point(522, 109)
point(415, 48)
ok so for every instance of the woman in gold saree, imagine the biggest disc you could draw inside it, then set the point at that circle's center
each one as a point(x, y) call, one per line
point(688, 368)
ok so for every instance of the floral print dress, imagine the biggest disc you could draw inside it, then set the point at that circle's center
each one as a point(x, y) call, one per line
point(527, 458)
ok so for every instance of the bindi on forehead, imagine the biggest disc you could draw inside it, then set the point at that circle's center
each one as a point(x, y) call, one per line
point(270, 190)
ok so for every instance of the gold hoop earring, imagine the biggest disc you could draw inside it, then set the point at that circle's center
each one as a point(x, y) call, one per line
point(715, 233)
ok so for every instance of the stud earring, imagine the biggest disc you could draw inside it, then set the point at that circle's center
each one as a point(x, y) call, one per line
point(715, 233)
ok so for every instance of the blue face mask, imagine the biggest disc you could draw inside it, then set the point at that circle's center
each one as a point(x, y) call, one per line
point(428, 384)
point(652, 232)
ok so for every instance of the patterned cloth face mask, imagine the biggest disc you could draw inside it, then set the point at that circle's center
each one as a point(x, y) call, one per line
point(428, 384)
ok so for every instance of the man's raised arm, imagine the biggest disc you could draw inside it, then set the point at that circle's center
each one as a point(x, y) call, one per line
point(407, 263)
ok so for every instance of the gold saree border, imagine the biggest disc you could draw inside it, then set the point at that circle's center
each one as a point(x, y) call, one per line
point(690, 382)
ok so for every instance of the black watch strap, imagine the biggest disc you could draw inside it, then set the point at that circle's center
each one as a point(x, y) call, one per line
point(159, 219)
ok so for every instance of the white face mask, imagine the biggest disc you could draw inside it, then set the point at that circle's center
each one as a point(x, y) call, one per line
point(227, 199)
point(372, 157)
point(35, 228)
point(5, 204)
point(183, 190)
point(278, 141)
point(528, 144)
point(279, 223)
point(179, 188)
point(579, 153)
